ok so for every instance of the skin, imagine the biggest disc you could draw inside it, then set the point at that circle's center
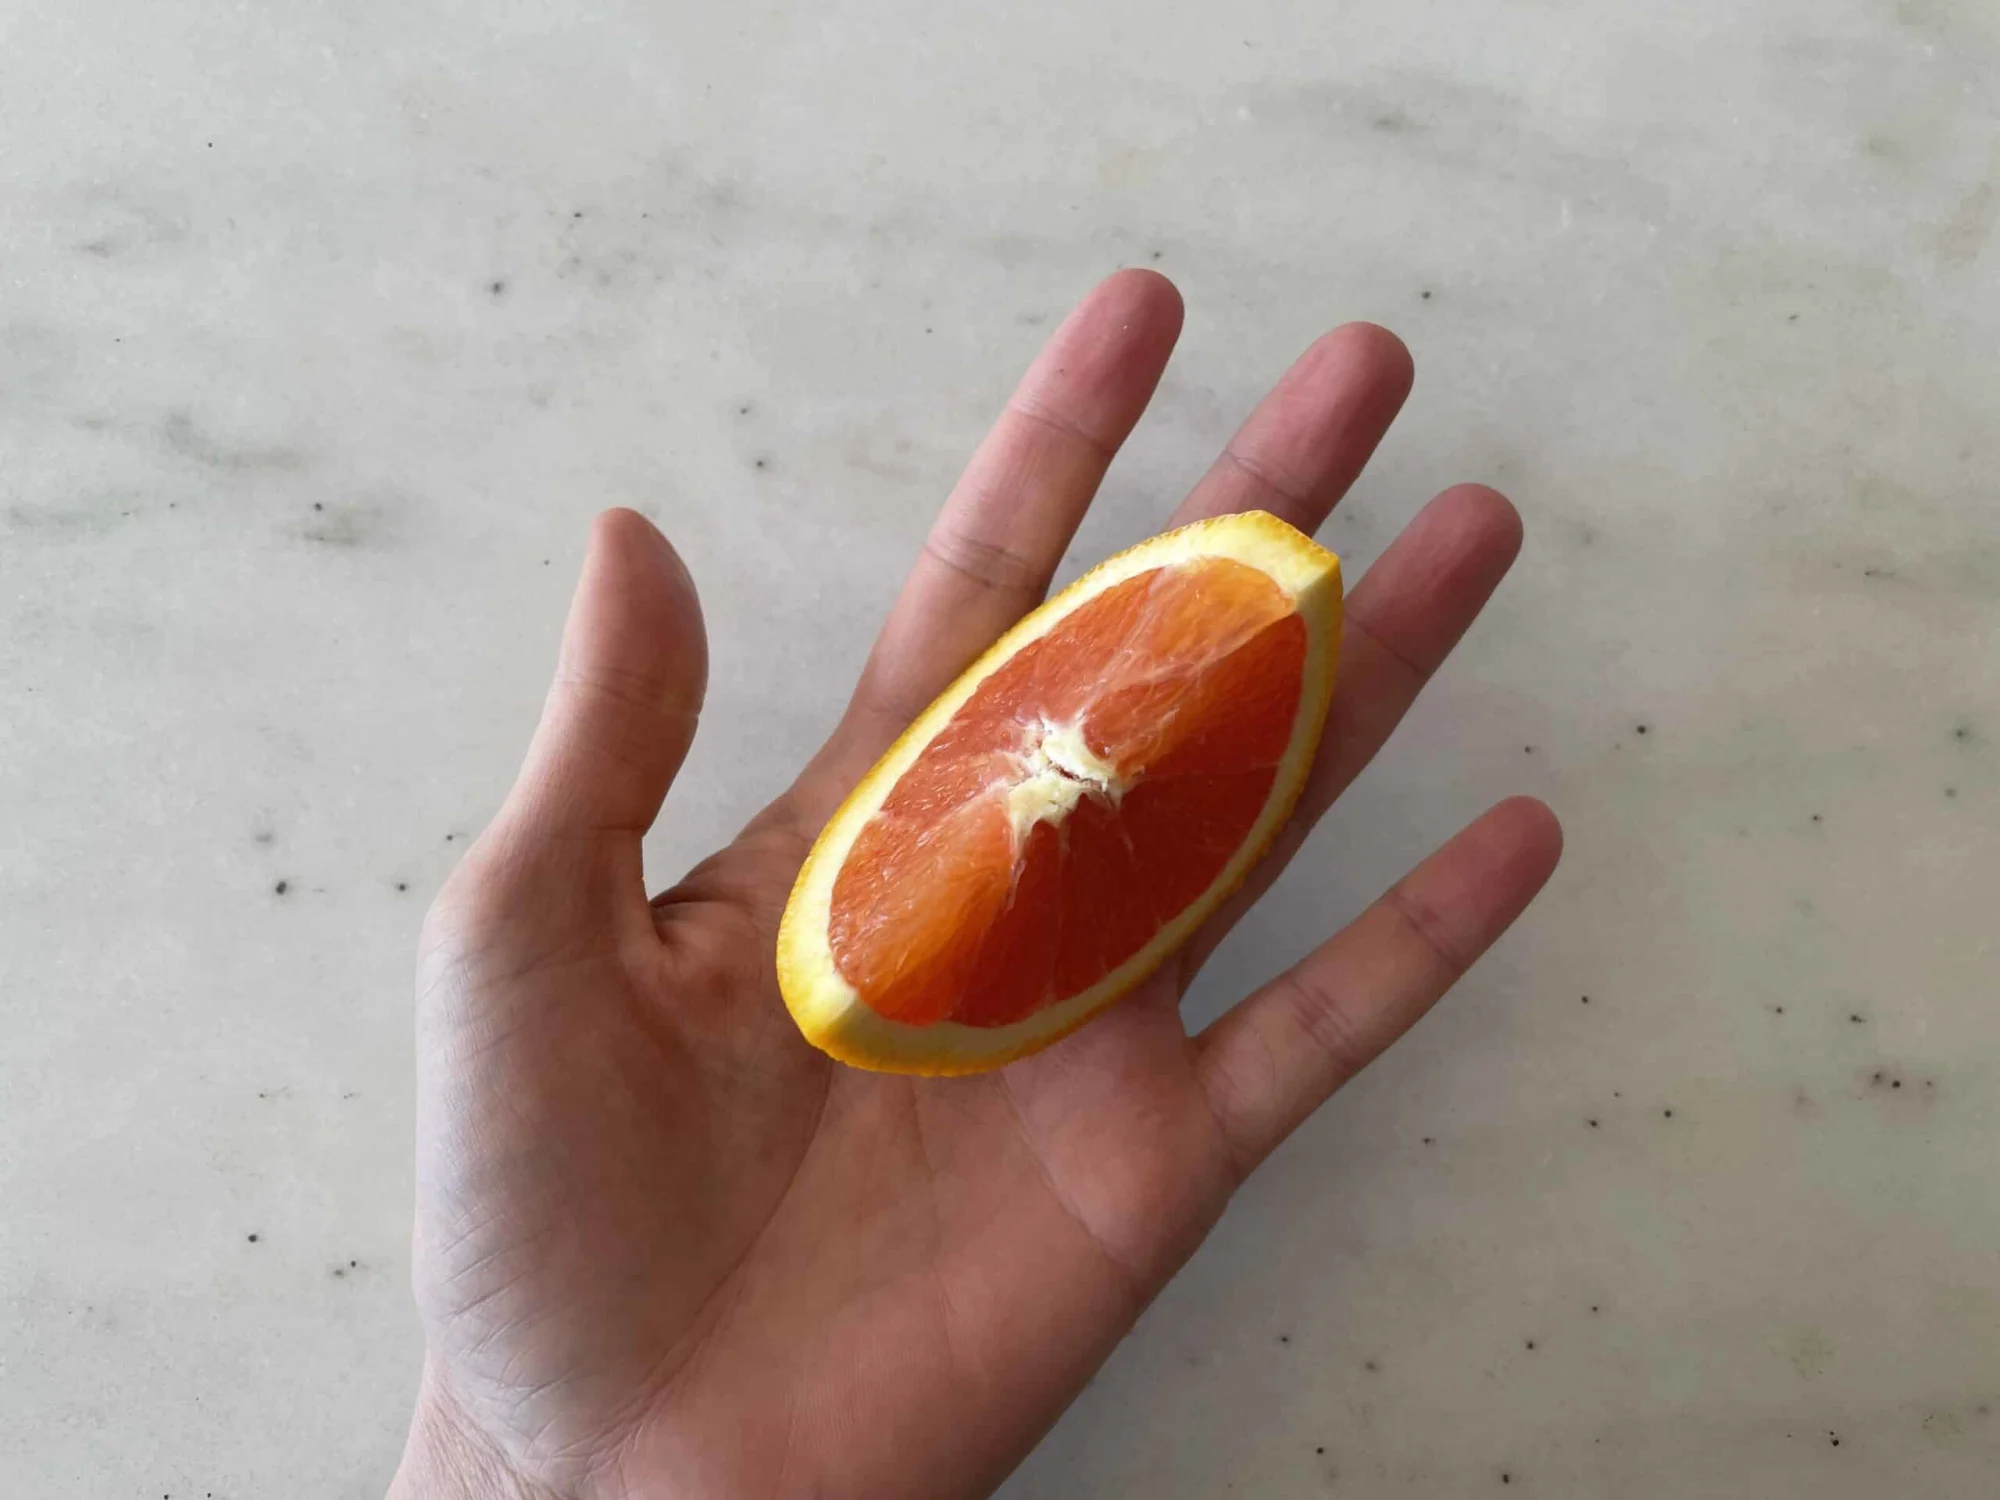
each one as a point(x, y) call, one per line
point(664, 1247)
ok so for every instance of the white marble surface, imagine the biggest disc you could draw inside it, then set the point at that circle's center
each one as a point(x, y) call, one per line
point(324, 328)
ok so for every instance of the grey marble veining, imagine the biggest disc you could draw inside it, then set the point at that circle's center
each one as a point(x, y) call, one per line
point(324, 330)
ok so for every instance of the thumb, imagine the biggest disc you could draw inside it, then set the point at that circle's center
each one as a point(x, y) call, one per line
point(622, 711)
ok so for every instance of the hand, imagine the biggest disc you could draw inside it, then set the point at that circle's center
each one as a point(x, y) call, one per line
point(665, 1248)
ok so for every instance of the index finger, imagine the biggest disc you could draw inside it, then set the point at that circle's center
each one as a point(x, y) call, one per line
point(1003, 530)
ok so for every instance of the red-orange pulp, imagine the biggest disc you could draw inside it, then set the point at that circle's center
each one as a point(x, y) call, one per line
point(1184, 681)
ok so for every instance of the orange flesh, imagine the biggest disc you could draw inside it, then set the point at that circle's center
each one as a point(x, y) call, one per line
point(1184, 681)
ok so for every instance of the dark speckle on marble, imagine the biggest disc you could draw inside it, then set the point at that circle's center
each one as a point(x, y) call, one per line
point(1430, 1140)
point(1155, 255)
point(1855, 1018)
point(1666, 1114)
point(281, 887)
point(762, 463)
point(1583, 1000)
point(252, 1238)
point(1427, 294)
point(498, 288)
point(402, 885)
point(344, 527)
point(1641, 728)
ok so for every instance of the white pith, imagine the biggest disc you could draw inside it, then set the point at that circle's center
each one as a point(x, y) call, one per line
point(1058, 770)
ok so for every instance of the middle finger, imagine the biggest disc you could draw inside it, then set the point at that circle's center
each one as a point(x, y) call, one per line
point(1296, 454)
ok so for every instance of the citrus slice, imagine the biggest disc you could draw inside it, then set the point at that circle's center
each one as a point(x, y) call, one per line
point(1070, 809)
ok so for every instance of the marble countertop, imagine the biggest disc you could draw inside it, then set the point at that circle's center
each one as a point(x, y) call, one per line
point(324, 330)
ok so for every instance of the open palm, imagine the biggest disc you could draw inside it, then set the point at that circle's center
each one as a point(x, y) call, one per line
point(663, 1246)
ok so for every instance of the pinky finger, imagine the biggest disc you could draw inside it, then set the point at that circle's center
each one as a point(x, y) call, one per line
point(1273, 1059)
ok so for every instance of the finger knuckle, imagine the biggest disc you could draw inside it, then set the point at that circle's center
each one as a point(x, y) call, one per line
point(1427, 927)
point(1327, 1023)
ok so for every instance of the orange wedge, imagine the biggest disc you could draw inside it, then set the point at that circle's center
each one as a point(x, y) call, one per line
point(1071, 808)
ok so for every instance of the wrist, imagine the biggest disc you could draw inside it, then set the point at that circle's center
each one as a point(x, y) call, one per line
point(445, 1458)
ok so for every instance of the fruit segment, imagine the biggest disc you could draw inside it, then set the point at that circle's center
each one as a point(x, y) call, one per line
point(1070, 810)
point(1089, 790)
